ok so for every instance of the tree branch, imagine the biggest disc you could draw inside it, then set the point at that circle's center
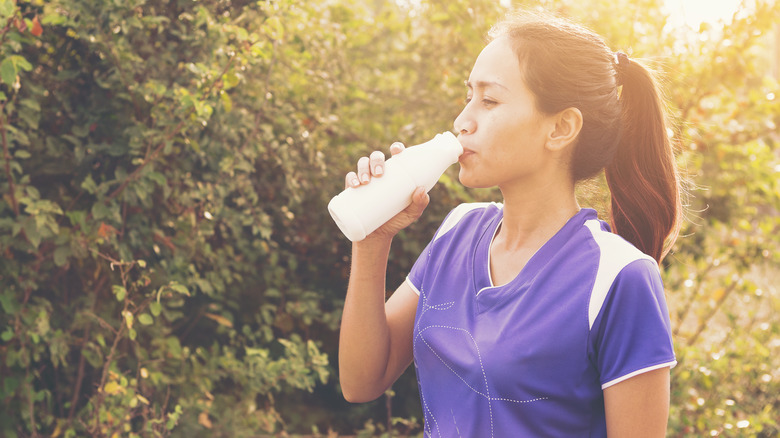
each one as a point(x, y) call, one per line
point(82, 360)
point(703, 322)
point(682, 315)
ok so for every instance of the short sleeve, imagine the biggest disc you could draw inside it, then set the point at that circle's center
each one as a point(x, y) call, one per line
point(417, 273)
point(633, 331)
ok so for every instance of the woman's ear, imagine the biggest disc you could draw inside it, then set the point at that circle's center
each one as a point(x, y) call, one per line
point(568, 124)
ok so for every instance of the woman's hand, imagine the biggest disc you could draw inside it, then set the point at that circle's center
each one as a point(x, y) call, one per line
point(373, 166)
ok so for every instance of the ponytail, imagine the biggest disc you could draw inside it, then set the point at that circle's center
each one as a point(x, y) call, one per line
point(642, 176)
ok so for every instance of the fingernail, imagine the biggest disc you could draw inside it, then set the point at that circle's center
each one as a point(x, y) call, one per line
point(378, 170)
point(355, 182)
point(364, 177)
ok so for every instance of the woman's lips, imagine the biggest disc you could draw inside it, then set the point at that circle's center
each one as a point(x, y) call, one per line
point(466, 153)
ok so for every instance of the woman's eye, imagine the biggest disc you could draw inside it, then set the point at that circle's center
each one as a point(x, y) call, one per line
point(484, 101)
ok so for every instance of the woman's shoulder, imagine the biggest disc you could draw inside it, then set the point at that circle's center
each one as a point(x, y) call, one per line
point(619, 264)
point(614, 249)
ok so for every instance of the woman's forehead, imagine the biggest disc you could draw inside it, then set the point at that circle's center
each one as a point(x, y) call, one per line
point(497, 65)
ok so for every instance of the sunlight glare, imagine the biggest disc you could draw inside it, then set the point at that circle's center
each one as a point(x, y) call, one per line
point(693, 13)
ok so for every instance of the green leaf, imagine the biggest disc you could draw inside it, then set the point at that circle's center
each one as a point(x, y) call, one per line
point(8, 72)
point(230, 79)
point(23, 154)
point(80, 131)
point(10, 66)
point(102, 211)
point(180, 288)
point(22, 63)
point(119, 291)
point(8, 302)
point(113, 388)
point(77, 217)
point(33, 233)
point(42, 323)
point(7, 8)
point(10, 384)
point(174, 346)
point(89, 184)
point(155, 308)
point(145, 319)
point(61, 255)
point(227, 103)
point(274, 28)
point(250, 351)
point(51, 18)
point(7, 335)
point(30, 103)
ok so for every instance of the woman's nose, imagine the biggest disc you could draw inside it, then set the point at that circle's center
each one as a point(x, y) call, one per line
point(464, 124)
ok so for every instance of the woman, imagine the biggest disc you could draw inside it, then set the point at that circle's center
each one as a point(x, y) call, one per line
point(531, 318)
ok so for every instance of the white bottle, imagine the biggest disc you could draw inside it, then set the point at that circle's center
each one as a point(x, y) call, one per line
point(360, 210)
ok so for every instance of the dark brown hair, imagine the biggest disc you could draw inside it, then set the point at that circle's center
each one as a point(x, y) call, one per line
point(624, 127)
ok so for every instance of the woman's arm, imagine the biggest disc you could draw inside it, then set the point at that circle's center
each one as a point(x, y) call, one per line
point(638, 407)
point(375, 343)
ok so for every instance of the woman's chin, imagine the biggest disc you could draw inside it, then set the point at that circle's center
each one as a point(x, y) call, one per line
point(468, 180)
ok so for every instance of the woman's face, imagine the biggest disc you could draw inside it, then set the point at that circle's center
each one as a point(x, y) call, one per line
point(502, 132)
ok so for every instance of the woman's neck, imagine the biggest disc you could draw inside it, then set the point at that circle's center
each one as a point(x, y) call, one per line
point(533, 215)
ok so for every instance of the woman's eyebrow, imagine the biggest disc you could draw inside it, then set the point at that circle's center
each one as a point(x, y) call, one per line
point(484, 84)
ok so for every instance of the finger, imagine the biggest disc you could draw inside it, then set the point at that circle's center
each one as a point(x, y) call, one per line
point(362, 170)
point(351, 180)
point(396, 148)
point(376, 163)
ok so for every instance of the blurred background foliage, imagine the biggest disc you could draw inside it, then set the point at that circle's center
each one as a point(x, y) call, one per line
point(168, 265)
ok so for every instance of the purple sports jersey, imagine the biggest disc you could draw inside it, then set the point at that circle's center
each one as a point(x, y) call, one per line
point(531, 358)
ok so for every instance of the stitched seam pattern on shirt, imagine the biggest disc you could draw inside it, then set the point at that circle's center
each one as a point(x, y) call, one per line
point(446, 306)
point(481, 366)
point(520, 401)
point(427, 426)
point(427, 432)
point(442, 306)
point(419, 335)
point(455, 422)
point(464, 380)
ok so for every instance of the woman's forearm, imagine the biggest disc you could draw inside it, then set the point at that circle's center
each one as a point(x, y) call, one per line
point(364, 343)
